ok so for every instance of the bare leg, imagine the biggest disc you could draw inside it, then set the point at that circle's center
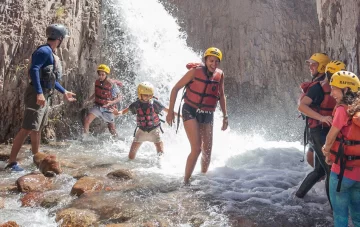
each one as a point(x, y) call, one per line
point(18, 142)
point(35, 141)
point(159, 148)
point(193, 134)
point(89, 118)
point(206, 133)
point(112, 129)
point(134, 148)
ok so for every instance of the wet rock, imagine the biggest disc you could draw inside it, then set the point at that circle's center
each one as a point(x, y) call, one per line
point(2, 202)
point(8, 187)
point(76, 217)
point(120, 225)
point(155, 223)
point(33, 182)
point(121, 174)
point(197, 221)
point(87, 184)
point(50, 201)
point(109, 206)
point(47, 164)
point(32, 199)
point(9, 224)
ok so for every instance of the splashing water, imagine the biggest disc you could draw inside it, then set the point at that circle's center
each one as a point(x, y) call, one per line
point(250, 182)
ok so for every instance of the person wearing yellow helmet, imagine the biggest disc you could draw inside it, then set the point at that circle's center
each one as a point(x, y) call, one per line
point(342, 149)
point(106, 95)
point(316, 106)
point(147, 109)
point(204, 86)
point(331, 68)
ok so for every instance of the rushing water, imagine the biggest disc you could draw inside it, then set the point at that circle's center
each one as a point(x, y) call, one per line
point(251, 181)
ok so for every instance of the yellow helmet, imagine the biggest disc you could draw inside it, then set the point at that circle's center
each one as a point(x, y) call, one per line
point(335, 66)
point(145, 88)
point(320, 58)
point(343, 79)
point(213, 51)
point(103, 67)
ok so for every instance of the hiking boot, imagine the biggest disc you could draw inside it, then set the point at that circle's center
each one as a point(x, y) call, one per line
point(14, 167)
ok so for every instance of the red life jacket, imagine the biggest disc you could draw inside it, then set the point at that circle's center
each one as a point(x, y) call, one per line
point(148, 118)
point(327, 105)
point(345, 151)
point(350, 143)
point(103, 92)
point(203, 92)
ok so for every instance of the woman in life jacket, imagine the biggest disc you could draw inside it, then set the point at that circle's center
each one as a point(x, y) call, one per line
point(107, 95)
point(204, 86)
point(147, 109)
point(342, 149)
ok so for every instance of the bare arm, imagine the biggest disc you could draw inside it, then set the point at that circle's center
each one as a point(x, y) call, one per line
point(116, 112)
point(304, 107)
point(330, 139)
point(222, 97)
point(223, 104)
point(189, 76)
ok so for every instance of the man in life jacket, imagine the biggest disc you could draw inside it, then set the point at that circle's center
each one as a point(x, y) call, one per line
point(342, 149)
point(107, 95)
point(316, 105)
point(331, 68)
point(45, 73)
point(147, 109)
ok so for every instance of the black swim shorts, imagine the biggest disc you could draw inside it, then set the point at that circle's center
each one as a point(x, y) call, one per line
point(203, 117)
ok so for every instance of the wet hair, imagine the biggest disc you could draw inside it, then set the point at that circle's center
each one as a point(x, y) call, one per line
point(352, 99)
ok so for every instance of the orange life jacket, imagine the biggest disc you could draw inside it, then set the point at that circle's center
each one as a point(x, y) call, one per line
point(346, 149)
point(103, 92)
point(203, 91)
point(147, 119)
point(327, 105)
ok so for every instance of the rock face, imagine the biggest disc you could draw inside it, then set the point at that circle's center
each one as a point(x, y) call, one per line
point(340, 30)
point(22, 25)
point(265, 44)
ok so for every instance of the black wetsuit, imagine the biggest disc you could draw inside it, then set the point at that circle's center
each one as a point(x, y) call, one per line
point(317, 140)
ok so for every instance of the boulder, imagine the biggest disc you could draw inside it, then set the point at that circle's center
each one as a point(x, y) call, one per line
point(33, 182)
point(47, 164)
point(87, 184)
point(76, 217)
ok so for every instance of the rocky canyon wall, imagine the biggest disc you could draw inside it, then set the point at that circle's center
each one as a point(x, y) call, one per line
point(265, 44)
point(340, 30)
point(22, 26)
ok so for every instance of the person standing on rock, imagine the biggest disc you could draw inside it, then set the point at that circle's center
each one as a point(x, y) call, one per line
point(45, 73)
point(107, 95)
point(316, 105)
point(204, 87)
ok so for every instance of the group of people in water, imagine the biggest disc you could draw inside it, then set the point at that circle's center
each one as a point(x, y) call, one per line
point(330, 105)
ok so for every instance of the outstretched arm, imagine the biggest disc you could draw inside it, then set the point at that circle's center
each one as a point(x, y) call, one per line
point(189, 76)
point(116, 112)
